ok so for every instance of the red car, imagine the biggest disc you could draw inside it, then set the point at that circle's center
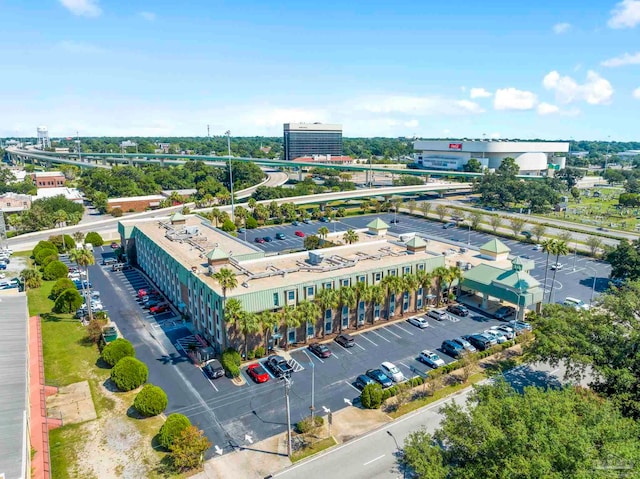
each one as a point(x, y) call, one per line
point(114, 245)
point(257, 373)
point(259, 240)
point(299, 233)
point(160, 308)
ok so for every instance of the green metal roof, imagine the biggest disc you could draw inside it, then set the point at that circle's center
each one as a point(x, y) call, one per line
point(177, 216)
point(416, 242)
point(217, 253)
point(493, 276)
point(378, 224)
point(495, 246)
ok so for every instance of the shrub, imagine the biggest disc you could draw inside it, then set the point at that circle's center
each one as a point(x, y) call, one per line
point(230, 361)
point(259, 352)
point(43, 245)
point(151, 401)
point(116, 212)
point(371, 396)
point(68, 301)
point(55, 270)
point(49, 259)
point(187, 449)
point(309, 424)
point(386, 394)
point(228, 226)
point(94, 329)
point(129, 373)
point(172, 427)
point(116, 350)
point(94, 238)
point(44, 253)
point(251, 355)
point(251, 223)
point(69, 242)
point(60, 286)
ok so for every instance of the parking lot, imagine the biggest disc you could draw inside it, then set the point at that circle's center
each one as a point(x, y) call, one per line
point(575, 279)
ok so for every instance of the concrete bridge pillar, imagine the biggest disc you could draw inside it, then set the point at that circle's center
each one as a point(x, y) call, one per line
point(162, 162)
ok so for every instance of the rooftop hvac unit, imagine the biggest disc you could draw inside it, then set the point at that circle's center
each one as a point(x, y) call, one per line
point(191, 230)
point(315, 258)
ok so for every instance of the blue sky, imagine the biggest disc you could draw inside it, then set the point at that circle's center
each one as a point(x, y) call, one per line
point(545, 69)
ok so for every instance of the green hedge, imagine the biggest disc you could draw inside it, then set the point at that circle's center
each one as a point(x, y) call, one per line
point(61, 285)
point(94, 238)
point(68, 301)
point(230, 361)
point(43, 245)
point(44, 253)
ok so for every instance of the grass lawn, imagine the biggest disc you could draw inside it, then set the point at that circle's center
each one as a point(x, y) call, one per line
point(315, 448)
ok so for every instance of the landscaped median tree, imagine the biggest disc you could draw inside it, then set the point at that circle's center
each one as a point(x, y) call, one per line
point(150, 401)
point(129, 373)
point(43, 245)
point(501, 433)
point(371, 396)
point(188, 449)
point(94, 238)
point(172, 428)
point(68, 301)
point(61, 285)
point(116, 350)
point(55, 270)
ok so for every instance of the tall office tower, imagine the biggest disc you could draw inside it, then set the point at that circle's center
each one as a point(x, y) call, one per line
point(43, 137)
point(306, 139)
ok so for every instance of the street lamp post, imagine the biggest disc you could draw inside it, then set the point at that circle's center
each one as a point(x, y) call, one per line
point(287, 386)
point(313, 384)
point(593, 286)
point(404, 469)
point(228, 133)
point(575, 254)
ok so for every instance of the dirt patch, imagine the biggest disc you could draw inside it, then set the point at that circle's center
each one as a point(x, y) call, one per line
point(73, 404)
point(351, 422)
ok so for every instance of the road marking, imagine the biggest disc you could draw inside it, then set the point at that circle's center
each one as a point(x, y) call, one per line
point(334, 356)
point(405, 330)
point(326, 409)
point(218, 450)
point(388, 330)
point(364, 337)
point(351, 386)
point(342, 347)
point(210, 382)
point(373, 460)
point(248, 438)
point(311, 356)
point(361, 346)
point(403, 364)
point(374, 332)
point(346, 401)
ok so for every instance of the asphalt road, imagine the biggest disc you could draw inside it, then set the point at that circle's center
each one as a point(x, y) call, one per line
point(375, 455)
point(577, 283)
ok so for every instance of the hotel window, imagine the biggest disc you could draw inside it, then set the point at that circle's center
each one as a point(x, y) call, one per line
point(392, 272)
point(421, 267)
point(291, 295)
point(377, 277)
point(407, 270)
point(328, 285)
point(276, 300)
point(362, 279)
point(310, 291)
point(344, 282)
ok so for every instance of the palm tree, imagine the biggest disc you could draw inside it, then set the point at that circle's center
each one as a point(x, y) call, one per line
point(455, 274)
point(308, 312)
point(290, 318)
point(362, 295)
point(30, 278)
point(60, 218)
point(323, 231)
point(350, 237)
point(425, 281)
point(83, 258)
point(267, 320)
point(78, 236)
point(440, 274)
point(548, 246)
point(227, 281)
point(376, 296)
point(175, 198)
point(245, 322)
point(327, 299)
point(346, 297)
point(411, 284)
point(391, 285)
point(559, 249)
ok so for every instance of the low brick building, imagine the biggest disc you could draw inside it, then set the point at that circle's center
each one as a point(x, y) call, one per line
point(48, 179)
point(135, 203)
point(12, 202)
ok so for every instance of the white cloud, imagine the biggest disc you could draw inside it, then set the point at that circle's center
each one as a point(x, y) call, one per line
point(514, 99)
point(626, 14)
point(560, 28)
point(547, 109)
point(636, 93)
point(622, 60)
point(83, 8)
point(470, 106)
point(479, 93)
point(411, 123)
point(148, 16)
point(416, 105)
point(595, 91)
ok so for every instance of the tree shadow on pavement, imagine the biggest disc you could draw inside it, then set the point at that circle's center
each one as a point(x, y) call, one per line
point(172, 358)
point(524, 376)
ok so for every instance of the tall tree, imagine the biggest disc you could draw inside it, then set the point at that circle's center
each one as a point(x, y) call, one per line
point(376, 296)
point(560, 248)
point(410, 285)
point(442, 211)
point(363, 292)
point(267, 320)
point(308, 312)
point(346, 297)
point(516, 224)
point(547, 247)
point(83, 258)
point(323, 231)
point(350, 237)
point(392, 286)
point(440, 274)
point(290, 318)
point(496, 222)
point(327, 300)
point(538, 231)
point(425, 208)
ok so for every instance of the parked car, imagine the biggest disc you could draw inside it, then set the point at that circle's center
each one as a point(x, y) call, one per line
point(504, 312)
point(82, 284)
point(268, 239)
point(437, 314)
point(452, 348)
point(109, 261)
point(430, 359)
point(320, 350)
point(537, 247)
point(3, 265)
point(557, 266)
point(446, 226)
point(478, 341)
point(492, 339)
point(294, 223)
point(418, 321)
point(394, 221)
point(380, 377)
point(575, 303)
point(213, 369)
point(114, 245)
point(299, 234)
point(307, 221)
point(324, 219)
point(465, 344)
point(458, 310)
point(392, 371)
point(159, 308)
point(508, 332)
point(363, 380)
point(497, 335)
point(258, 373)
point(280, 236)
point(520, 327)
point(259, 240)
point(278, 366)
point(345, 340)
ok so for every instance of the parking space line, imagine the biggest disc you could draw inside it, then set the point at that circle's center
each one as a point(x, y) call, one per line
point(352, 386)
point(405, 330)
point(334, 355)
point(364, 337)
point(403, 364)
point(374, 332)
point(361, 346)
point(341, 346)
point(388, 330)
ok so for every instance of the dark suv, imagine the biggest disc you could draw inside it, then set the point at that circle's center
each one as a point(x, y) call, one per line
point(345, 340)
point(458, 310)
point(213, 369)
point(480, 342)
point(452, 348)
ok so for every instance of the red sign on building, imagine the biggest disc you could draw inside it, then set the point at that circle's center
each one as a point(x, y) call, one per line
point(455, 146)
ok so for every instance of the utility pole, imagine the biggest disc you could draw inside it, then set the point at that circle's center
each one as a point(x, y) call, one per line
point(313, 384)
point(233, 219)
point(3, 231)
point(287, 386)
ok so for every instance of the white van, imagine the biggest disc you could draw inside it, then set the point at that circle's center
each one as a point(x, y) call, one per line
point(575, 303)
point(438, 314)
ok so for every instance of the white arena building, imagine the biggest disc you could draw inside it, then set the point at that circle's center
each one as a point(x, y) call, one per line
point(533, 157)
